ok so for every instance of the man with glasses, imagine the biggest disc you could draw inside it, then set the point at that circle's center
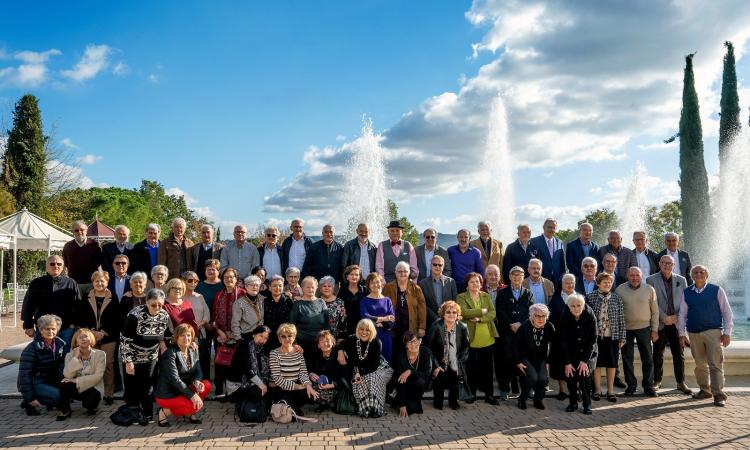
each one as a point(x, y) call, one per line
point(580, 248)
point(360, 251)
point(119, 283)
point(120, 246)
point(206, 249)
point(437, 289)
point(586, 282)
point(240, 255)
point(270, 256)
point(295, 247)
point(82, 257)
point(427, 250)
point(53, 293)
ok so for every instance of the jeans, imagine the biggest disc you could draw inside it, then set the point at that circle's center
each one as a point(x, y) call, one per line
point(47, 394)
point(642, 338)
point(67, 336)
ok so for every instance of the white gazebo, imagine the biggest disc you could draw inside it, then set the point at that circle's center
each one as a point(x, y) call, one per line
point(26, 231)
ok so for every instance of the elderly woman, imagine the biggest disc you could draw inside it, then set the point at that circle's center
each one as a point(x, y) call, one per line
point(558, 308)
point(221, 320)
point(309, 315)
point(336, 310)
point(361, 352)
point(610, 320)
point(252, 361)
point(290, 381)
point(180, 390)
point(84, 374)
point(247, 311)
point(408, 303)
point(293, 288)
point(202, 318)
point(159, 275)
point(41, 366)
point(479, 316)
point(449, 342)
point(351, 293)
point(101, 314)
point(379, 309)
point(532, 351)
point(136, 296)
point(412, 372)
point(325, 372)
point(141, 340)
point(276, 308)
point(180, 309)
point(577, 331)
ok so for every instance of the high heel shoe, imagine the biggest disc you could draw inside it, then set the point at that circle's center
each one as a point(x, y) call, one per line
point(162, 421)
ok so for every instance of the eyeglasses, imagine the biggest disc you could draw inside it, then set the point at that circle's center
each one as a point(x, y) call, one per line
point(120, 263)
point(80, 230)
point(415, 341)
point(540, 316)
point(402, 271)
point(192, 280)
point(436, 265)
point(58, 264)
point(588, 266)
point(270, 235)
point(450, 312)
point(429, 237)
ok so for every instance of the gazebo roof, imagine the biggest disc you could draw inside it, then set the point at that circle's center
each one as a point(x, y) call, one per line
point(100, 229)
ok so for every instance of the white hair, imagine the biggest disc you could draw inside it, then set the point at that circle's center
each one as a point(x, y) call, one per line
point(179, 221)
point(250, 278)
point(484, 223)
point(159, 267)
point(153, 226)
point(569, 276)
point(589, 259)
point(672, 234)
point(536, 261)
point(402, 265)
point(123, 228)
point(138, 276)
point(207, 225)
point(538, 307)
point(575, 298)
point(301, 221)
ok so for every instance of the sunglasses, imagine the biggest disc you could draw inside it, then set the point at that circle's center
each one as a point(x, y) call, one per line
point(59, 264)
point(120, 263)
point(588, 266)
point(429, 237)
point(192, 280)
point(286, 336)
point(437, 265)
point(270, 235)
point(450, 312)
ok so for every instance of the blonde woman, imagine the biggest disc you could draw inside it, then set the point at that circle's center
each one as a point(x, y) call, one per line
point(290, 381)
point(84, 375)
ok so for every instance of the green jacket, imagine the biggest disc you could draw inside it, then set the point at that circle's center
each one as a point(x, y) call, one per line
point(469, 312)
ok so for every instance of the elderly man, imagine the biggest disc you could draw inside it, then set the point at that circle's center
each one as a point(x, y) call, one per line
point(491, 249)
point(519, 252)
point(119, 283)
point(705, 317)
point(609, 265)
point(682, 264)
point(394, 250)
point(240, 254)
point(324, 257)
point(586, 282)
point(206, 249)
point(82, 256)
point(492, 284)
point(173, 250)
point(120, 246)
point(669, 289)
point(437, 289)
point(464, 259)
point(580, 248)
point(145, 252)
point(551, 252)
point(270, 253)
point(426, 251)
point(540, 287)
point(295, 246)
point(645, 258)
point(625, 256)
point(53, 293)
point(360, 251)
point(641, 326)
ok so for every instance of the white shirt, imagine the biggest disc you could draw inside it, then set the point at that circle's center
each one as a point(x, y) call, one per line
point(297, 253)
point(364, 259)
point(271, 262)
point(643, 262)
point(676, 256)
point(428, 254)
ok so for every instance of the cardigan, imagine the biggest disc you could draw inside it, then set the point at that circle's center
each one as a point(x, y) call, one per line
point(414, 302)
point(141, 335)
point(108, 319)
point(91, 376)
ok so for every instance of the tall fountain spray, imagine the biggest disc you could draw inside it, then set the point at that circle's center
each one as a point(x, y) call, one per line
point(634, 208)
point(366, 196)
point(497, 195)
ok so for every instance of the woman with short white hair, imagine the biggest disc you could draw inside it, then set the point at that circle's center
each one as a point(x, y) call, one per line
point(532, 350)
point(577, 331)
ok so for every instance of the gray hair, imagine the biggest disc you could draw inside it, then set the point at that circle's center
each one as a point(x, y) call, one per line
point(79, 222)
point(640, 232)
point(585, 224)
point(523, 225)
point(309, 279)
point(292, 269)
point(123, 228)
point(153, 226)
point(47, 320)
point(178, 221)
point(328, 225)
point(638, 269)
point(550, 220)
point(700, 267)
point(569, 276)
point(617, 232)
point(671, 234)
point(272, 228)
point(484, 223)
point(186, 274)
point(121, 256)
point(492, 267)
point(575, 298)
point(402, 265)
point(250, 278)
point(159, 267)
point(536, 261)
point(609, 255)
point(589, 259)
point(155, 294)
point(327, 280)
point(538, 307)
point(301, 221)
point(669, 257)
point(51, 258)
point(207, 225)
point(428, 230)
point(139, 276)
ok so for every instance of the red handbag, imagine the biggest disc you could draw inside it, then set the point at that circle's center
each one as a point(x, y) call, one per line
point(224, 355)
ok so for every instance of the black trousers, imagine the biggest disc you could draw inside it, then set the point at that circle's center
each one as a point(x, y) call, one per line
point(447, 379)
point(89, 398)
point(480, 370)
point(505, 371)
point(642, 338)
point(410, 393)
point(204, 356)
point(577, 382)
point(535, 378)
point(669, 336)
point(139, 387)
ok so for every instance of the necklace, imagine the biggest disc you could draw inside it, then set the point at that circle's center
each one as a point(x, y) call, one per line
point(359, 350)
point(538, 335)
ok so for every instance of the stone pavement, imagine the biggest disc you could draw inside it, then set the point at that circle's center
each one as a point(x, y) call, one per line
point(670, 422)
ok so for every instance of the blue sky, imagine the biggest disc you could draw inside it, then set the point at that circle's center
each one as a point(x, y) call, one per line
point(249, 93)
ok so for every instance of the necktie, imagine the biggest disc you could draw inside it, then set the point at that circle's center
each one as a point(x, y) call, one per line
point(550, 248)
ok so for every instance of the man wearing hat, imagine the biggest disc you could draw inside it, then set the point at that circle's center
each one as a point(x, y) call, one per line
point(390, 252)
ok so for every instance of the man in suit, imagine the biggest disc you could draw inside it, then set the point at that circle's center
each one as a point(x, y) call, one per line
point(145, 252)
point(491, 249)
point(119, 284)
point(540, 287)
point(682, 264)
point(586, 283)
point(519, 252)
point(426, 251)
point(270, 253)
point(324, 257)
point(360, 251)
point(625, 256)
point(120, 246)
point(295, 246)
point(669, 288)
point(437, 289)
point(580, 248)
point(206, 249)
point(551, 252)
point(645, 258)
point(609, 265)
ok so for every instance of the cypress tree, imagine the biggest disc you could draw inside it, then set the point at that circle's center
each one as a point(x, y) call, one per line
point(729, 123)
point(696, 207)
point(24, 169)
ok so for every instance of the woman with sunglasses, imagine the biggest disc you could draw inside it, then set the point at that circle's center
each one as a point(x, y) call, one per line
point(290, 381)
point(202, 317)
point(449, 342)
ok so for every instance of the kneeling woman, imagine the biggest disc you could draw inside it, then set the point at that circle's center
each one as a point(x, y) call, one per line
point(84, 374)
point(289, 379)
point(413, 369)
point(252, 362)
point(180, 391)
point(532, 352)
point(325, 372)
point(361, 352)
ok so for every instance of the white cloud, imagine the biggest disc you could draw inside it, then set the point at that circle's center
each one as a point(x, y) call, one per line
point(340, 138)
point(70, 174)
point(67, 143)
point(193, 203)
point(121, 69)
point(89, 159)
point(31, 72)
point(95, 59)
point(153, 78)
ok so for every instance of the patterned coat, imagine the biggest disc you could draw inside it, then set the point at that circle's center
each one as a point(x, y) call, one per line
point(616, 312)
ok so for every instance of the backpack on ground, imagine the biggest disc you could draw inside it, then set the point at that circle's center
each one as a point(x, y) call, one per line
point(250, 412)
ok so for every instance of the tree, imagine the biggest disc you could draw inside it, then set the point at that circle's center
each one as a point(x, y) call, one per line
point(24, 170)
point(659, 221)
point(696, 207)
point(603, 221)
point(410, 233)
point(7, 203)
point(729, 121)
point(567, 235)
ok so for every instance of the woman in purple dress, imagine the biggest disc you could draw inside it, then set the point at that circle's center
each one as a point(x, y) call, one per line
point(379, 309)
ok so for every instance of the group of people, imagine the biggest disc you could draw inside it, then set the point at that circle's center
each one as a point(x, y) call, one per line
point(352, 327)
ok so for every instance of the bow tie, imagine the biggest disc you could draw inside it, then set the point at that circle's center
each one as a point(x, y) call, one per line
point(393, 244)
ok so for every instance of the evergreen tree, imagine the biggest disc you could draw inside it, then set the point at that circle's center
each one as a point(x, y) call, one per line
point(24, 169)
point(729, 123)
point(696, 208)
point(410, 233)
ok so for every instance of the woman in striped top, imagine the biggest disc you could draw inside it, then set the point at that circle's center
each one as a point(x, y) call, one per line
point(289, 379)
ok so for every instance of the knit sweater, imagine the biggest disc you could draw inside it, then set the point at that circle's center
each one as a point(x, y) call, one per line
point(641, 309)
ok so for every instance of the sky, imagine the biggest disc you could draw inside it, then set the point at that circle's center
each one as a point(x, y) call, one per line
point(251, 109)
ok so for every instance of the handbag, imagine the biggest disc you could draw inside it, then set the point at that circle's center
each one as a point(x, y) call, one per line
point(224, 355)
point(345, 401)
point(281, 412)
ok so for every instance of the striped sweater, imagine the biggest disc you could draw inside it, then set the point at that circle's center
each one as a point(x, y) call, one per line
point(288, 369)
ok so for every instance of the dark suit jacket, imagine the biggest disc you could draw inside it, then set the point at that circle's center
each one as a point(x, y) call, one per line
point(321, 260)
point(110, 250)
point(141, 260)
point(553, 267)
point(516, 256)
point(113, 291)
point(286, 246)
point(449, 293)
point(652, 260)
point(678, 288)
point(579, 285)
point(194, 252)
point(351, 253)
point(424, 266)
point(685, 264)
point(574, 256)
point(509, 311)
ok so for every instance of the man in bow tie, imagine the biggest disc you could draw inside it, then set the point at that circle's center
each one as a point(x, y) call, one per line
point(393, 250)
